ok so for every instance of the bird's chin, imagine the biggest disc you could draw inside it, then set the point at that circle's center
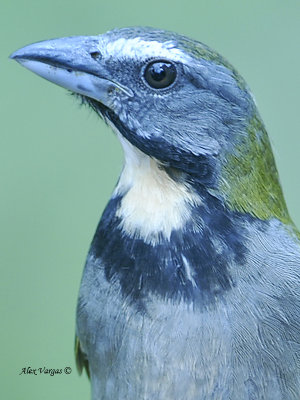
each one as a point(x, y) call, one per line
point(105, 113)
point(100, 109)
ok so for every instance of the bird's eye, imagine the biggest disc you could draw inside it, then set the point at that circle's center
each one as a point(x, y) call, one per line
point(160, 74)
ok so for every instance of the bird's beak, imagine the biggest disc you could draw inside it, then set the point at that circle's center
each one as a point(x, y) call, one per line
point(74, 63)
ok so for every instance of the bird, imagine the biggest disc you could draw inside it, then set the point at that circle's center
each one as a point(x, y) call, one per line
point(191, 286)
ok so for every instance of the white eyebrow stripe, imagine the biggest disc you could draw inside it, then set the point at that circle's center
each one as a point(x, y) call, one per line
point(139, 48)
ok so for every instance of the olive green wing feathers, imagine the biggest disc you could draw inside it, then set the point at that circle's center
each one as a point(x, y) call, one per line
point(81, 358)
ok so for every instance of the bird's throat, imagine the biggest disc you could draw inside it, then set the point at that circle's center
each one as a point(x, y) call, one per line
point(153, 204)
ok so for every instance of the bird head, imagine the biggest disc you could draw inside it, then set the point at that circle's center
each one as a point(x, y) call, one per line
point(178, 102)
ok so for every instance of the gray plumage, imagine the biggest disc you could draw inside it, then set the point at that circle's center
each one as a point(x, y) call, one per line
point(246, 346)
point(191, 286)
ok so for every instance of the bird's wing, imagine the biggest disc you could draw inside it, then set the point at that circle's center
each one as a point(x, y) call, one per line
point(81, 358)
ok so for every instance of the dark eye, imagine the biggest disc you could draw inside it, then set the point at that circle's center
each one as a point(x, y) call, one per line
point(160, 74)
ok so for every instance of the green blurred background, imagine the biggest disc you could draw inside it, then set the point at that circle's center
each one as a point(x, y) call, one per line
point(59, 163)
